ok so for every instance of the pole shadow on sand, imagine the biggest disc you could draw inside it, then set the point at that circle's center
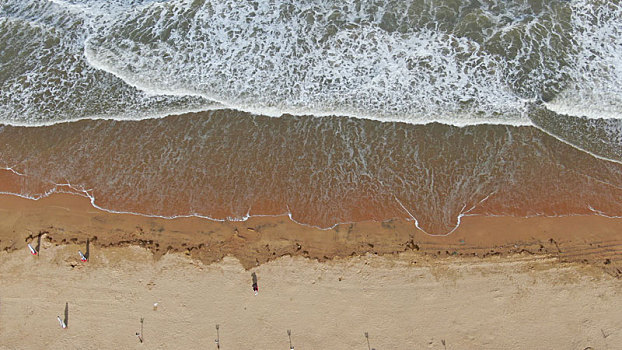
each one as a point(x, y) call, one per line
point(140, 335)
point(88, 249)
point(66, 320)
point(368, 345)
point(289, 334)
point(217, 341)
point(38, 248)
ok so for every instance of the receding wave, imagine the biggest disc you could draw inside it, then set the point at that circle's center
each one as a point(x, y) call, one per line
point(228, 165)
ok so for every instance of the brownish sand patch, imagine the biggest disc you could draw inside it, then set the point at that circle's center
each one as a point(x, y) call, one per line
point(64, 219)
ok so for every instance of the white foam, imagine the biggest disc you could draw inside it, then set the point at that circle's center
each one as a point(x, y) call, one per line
point(254, 60)
point(596, 108)
point(596, 68)
point(154, 58)
point(12, 170)
point(618, 135)
point(59, 85)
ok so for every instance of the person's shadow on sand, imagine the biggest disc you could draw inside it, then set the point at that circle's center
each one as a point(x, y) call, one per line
point(255, 287)
point(88, 249)
point(38, 248)
point(85, 257)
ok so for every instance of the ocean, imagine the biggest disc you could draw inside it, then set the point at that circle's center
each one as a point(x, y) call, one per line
point(324, 111)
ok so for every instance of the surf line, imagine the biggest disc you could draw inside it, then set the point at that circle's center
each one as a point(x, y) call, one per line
point(577, 147)
point(458, 218)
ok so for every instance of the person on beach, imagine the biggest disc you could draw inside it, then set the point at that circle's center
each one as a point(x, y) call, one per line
point(61, 322)
point(33, 251)
point(140, 334)
point(255, 287)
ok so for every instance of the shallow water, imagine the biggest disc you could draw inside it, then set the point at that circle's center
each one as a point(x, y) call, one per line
point(427, 110)
point(322, 171)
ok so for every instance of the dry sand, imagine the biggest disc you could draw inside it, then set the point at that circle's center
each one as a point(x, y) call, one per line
point(540, 283)
point(403, 302)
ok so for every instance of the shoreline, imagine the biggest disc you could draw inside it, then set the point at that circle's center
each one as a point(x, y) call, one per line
point(67, 218)
point(189, 113)
point(496, 282)
point(222, 165)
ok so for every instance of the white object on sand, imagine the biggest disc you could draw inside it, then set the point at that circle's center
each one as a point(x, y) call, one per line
point(33, 251)
point(62, 323)
point(82, 257)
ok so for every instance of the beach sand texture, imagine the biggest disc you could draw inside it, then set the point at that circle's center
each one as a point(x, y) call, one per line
point(437, 174)
point(511, 295)
point(404, 302)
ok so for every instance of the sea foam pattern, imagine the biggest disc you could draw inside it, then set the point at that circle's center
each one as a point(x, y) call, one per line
point(456, 62)
point(46, 78)
point(596, 88)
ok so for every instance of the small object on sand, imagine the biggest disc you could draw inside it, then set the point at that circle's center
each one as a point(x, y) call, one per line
point(82, 257)
point(61, 322)
point(289, 334)
point(33, 251)
point(140, 334)
point(255, 287)
point(155, 306)
point(217, 340)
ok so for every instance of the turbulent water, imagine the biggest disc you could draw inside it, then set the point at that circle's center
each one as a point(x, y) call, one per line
point(501, 77)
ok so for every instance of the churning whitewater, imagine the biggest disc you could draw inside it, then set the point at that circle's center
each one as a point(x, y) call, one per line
point(458, 62)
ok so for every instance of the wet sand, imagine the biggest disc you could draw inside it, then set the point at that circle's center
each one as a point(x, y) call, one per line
point(64, 218)
point(495, 282)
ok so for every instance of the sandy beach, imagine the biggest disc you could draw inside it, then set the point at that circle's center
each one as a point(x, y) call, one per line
point(402, 302)
point(390, 174)
point(544, 283)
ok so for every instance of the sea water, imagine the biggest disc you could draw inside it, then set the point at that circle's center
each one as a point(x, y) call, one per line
point(326, 111)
